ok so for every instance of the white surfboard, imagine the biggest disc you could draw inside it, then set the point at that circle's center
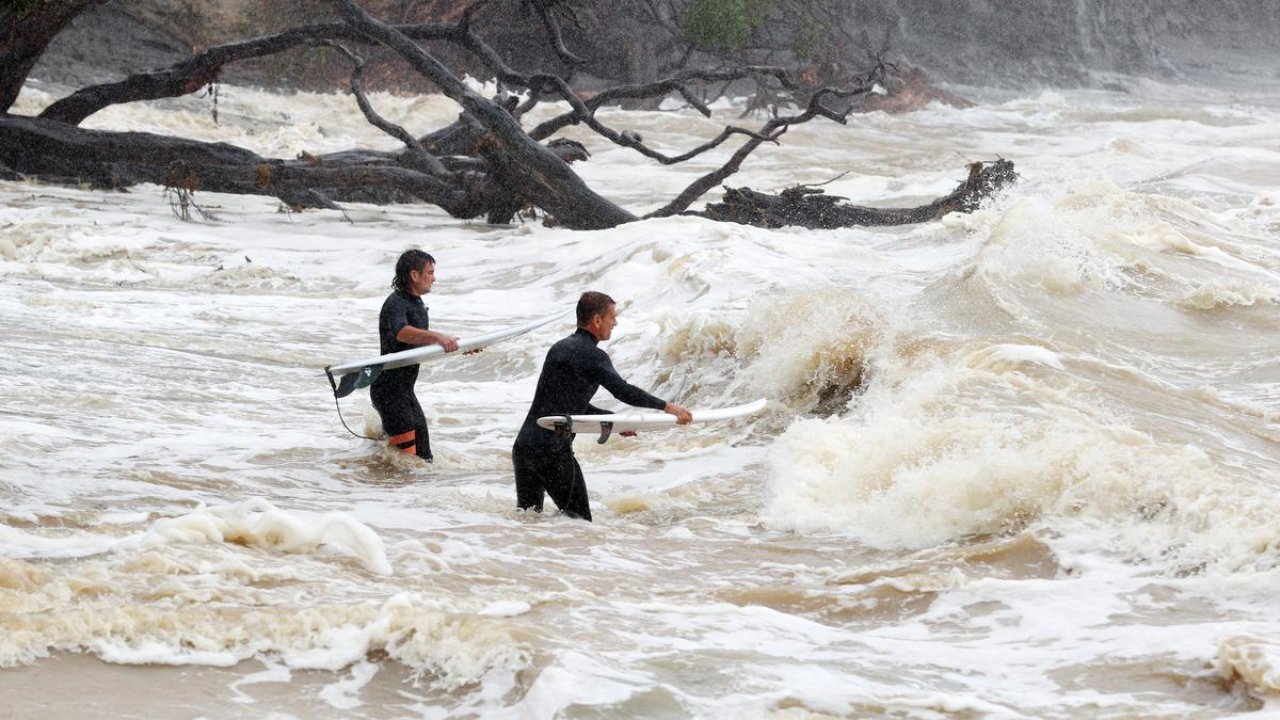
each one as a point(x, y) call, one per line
point(346, 377)
point(606, 425)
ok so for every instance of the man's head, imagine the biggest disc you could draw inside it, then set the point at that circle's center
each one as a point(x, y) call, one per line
point(597, 314)
point(415, 272)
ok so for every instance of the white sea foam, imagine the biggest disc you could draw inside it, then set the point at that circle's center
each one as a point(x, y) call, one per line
point(1017, 463)
point(254, 523)
point(1254, 660)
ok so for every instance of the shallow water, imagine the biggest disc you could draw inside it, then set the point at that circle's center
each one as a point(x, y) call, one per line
point(1019, 463)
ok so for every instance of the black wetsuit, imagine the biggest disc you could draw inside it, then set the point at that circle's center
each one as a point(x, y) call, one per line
point(574, 369)
point(392, 392)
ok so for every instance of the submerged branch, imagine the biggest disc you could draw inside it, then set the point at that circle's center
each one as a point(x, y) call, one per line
point(807, 206)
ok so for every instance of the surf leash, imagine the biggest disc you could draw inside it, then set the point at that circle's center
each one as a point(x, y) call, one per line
point(337, 405)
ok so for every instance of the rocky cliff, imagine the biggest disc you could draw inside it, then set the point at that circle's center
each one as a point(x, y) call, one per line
point(1075, 41)
point(981, 42)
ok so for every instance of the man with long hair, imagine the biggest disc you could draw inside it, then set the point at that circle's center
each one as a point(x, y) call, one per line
point(402, 325)
point(574, 369)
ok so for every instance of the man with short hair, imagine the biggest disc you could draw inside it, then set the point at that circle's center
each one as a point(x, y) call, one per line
point(574, 369)
point(402, 325)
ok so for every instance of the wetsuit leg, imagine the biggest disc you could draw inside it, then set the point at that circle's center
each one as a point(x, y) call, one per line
point(420, 425)
point(554, 470)
point(402, 418)
point(529, 492)
point(575, 503)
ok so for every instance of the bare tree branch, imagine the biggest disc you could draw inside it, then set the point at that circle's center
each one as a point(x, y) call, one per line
point(427, 162)
point(546, 179)
point(771, 131)
point(190, 75)
point(542, 8)
point(677, 83)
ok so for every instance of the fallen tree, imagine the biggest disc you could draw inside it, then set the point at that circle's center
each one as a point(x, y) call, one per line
point(486, 163)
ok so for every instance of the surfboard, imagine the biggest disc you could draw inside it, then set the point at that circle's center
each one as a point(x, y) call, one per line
point(347, 377)
point(606, 425)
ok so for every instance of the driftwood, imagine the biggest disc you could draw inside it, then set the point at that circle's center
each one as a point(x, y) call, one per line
point(807, 206)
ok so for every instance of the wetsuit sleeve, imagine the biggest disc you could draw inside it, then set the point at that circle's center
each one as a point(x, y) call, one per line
point(610, 380)
point(395, 317)
point(593, 410)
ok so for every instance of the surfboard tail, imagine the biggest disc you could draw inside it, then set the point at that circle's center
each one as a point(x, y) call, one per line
point(352, 381)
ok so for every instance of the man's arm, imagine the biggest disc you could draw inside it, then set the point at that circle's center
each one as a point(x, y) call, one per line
point(411, 335)
point(632, 395)
point(610, 380)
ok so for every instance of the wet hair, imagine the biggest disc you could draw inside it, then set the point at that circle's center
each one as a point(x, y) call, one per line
point(591, 304)
point(409, 261)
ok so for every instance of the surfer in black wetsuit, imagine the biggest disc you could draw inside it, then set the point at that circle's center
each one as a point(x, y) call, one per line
point(402, 325)
point(574, 369)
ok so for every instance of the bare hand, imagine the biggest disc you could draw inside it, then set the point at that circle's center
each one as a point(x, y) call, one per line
point(448, 342)
point(683, 417)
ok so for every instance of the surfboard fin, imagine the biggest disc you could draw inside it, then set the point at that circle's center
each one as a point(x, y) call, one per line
point(353, 381)
point(606, 429)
